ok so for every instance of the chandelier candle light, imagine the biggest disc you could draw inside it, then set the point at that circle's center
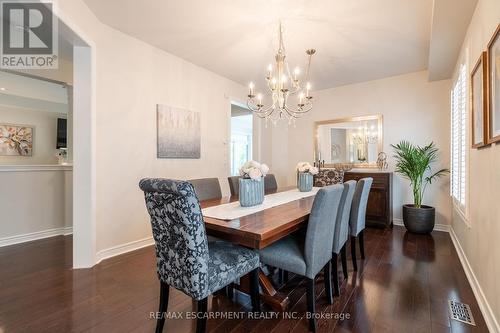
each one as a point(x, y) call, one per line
point(282, 85)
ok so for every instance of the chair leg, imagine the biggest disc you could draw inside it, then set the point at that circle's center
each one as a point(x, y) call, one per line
point(201, 322)
point(328, 282)
point(353, 253)
point(230, 291)
point(362, 244)
point(311, 304)
point(343, 257)
point(335, 275)
point(164, 293)
point(254, 290)
point(282, 276)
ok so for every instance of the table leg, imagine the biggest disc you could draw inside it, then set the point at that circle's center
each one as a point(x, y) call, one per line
point(269, 294)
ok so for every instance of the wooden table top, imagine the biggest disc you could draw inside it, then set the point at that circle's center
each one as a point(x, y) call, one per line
point(263, 228)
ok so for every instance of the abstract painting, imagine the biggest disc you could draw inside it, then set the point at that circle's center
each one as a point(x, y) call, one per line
point(178, 133)
point(494, 86)
point(16, 140)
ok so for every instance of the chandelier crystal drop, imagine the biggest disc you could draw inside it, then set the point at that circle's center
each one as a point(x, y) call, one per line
point(288, 97)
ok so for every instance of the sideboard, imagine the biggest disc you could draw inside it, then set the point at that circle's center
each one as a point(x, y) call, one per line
point(379, 208)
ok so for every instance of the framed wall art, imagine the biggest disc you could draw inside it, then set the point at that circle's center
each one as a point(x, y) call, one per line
point(178, 132)
point(494, 87)
point(479, 102)
point(16, 140)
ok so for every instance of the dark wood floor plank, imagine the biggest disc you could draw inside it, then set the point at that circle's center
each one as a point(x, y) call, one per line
point(403, 285)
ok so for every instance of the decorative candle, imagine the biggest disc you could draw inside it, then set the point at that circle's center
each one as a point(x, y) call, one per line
point(296, 73)
point(259, 97)
point(269, 71)
point(308, 87)
point(251, 88)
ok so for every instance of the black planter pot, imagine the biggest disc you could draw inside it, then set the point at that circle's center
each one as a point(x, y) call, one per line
point(419, 220)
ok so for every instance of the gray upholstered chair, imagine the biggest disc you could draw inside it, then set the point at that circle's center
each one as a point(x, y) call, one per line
point(307, 258)
point(357, 218)
point(270, 184)
point(185, 259)
point(206, 188)
point(341, 233)
point(234, 185)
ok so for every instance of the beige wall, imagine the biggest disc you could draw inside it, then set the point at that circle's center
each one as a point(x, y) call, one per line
point(33, 201)
point(413, 109)
point(131, 77)
point(45, 134)
point(478, 233)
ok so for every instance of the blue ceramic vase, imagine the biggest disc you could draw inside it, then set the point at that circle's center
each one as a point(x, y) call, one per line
point(304, 181)
point(251, 192)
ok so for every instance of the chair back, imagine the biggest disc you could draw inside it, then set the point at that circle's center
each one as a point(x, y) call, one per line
point(270, 183)
point(359, 202)
point(179, 234)
point(234, 185)
point(320, 228)
point(342, 225)
point(207, 188)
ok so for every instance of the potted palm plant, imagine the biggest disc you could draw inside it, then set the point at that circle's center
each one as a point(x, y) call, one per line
point(414, 163)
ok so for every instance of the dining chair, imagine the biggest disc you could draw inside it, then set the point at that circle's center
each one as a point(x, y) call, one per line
point(234, 185)
point(308, 256)
point(341, 233)
point(207, 188)
point(358, 216)
point(270, 184)
point(185, 259)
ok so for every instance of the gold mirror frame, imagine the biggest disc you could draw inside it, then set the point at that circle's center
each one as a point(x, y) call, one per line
point(380, 145)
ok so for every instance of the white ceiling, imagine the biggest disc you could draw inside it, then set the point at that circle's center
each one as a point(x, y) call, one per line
point(356, 40)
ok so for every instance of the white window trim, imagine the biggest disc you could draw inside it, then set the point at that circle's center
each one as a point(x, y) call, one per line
point(463, 210)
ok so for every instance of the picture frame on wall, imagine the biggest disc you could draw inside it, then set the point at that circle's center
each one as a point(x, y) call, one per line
point(479, 102)
point(16, 140)
point(493, 68)
point(178, 133)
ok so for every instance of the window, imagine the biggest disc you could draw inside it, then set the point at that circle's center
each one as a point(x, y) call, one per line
point(459, 140)
point(241, 140)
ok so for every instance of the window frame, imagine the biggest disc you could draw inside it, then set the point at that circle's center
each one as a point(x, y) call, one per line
point(460, 206)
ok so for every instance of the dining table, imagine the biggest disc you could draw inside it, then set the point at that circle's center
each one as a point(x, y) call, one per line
point(258, 230)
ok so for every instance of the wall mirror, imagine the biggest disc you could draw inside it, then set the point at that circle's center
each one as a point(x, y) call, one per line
point(356, 140)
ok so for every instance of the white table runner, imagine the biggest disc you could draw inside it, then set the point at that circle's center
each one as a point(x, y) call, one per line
point(233, 210)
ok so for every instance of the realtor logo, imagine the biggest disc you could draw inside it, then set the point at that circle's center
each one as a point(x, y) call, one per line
point(29, 35)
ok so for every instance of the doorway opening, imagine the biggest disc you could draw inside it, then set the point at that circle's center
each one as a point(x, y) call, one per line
point(241, 137)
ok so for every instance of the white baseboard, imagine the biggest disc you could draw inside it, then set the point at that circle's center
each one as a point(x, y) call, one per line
point(437, 227)
point(484, 306)
point(17, 239)
point(124, 248)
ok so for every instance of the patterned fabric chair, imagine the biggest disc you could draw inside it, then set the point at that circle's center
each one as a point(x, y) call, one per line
point(185, 259)
point(327, 177)
point(357, 218)
point(207, 188)
point(341, 233)
point(270, 184)
point(307, 258)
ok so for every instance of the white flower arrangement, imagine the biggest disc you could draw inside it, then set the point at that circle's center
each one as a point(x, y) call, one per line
point(306, 167)
point(254, 170)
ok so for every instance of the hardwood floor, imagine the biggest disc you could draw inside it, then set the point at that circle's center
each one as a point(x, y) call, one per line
point(403, 285)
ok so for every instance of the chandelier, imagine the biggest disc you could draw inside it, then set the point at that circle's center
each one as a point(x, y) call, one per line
point(282, 85)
